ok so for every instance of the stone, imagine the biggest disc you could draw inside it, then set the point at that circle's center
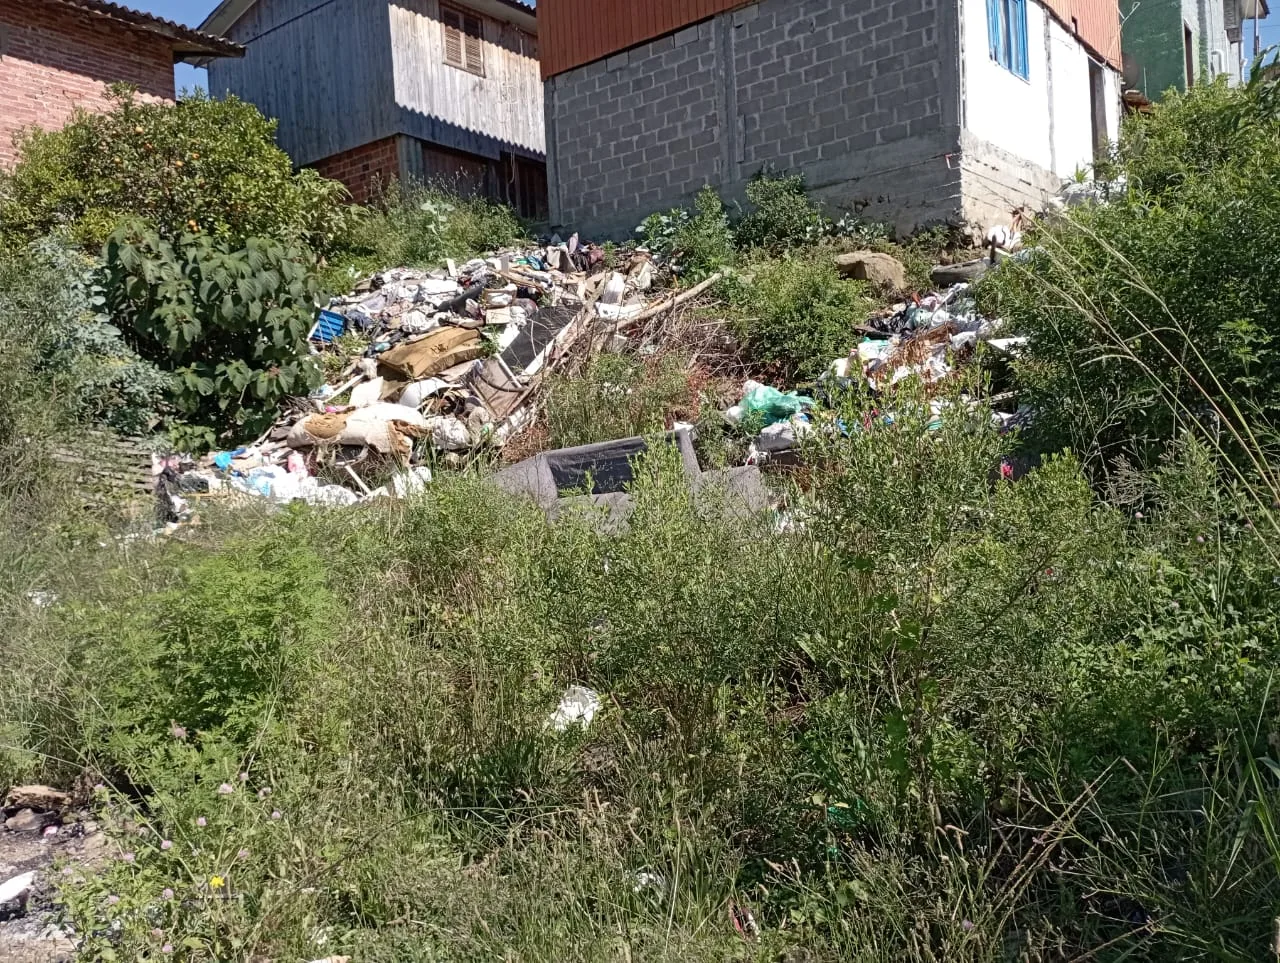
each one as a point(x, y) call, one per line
point(39, 798)
point(882, 270)
point(25, 821)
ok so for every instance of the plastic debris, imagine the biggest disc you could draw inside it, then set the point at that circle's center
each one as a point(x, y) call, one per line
point(770, 403)
point(578, 705)
point(17, 888)
point(644, 879)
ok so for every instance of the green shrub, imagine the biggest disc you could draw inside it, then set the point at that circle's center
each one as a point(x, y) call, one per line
point(796, 315)
point(781, 216)
point(230, 324)
point(419, 225)
point(1156, 312)
point(698, 242)
point(217, 652)
point(201, 165)
point(49, 297)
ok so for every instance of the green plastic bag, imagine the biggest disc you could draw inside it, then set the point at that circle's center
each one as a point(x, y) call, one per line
point(773, 405)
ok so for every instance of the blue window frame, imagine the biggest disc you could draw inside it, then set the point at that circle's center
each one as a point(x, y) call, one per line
point(1007, 34)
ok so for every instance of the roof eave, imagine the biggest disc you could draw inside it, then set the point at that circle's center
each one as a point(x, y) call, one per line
point(227, 13)
point(224, 16)
point(182, 40)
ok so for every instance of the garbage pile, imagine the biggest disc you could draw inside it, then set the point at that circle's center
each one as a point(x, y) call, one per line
point(929, 338)
point(449, 361)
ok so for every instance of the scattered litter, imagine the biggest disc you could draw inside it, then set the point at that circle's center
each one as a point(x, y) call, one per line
point(644, 879)
point(744, 922)
point(577, 705)
point(41, 599)
point(767, 403)
point(17, 889)
point(1077, 193)
point(926, 338)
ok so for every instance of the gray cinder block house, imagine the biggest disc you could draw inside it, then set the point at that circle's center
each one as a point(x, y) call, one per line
point(367, 91)
point(909, 111)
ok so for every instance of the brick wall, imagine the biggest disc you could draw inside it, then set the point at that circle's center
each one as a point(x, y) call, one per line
point(861, 98)
point(363, 169)
point(53, 61)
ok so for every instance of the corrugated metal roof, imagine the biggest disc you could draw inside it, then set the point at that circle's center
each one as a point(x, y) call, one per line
point(187, 42)
point(1096, 23)
point(577, 32)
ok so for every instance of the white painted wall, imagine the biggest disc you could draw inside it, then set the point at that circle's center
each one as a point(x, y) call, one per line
point(1000, 106)
point(1047, 118)
point(1072, 110)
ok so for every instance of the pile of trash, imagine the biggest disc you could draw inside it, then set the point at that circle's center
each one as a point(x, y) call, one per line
point(928, 338)
point(449, 363)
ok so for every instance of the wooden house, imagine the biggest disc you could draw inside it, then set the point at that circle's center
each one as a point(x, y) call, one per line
point(367, 91)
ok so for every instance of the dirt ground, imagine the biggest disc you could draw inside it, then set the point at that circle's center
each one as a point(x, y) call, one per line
point(34, 934)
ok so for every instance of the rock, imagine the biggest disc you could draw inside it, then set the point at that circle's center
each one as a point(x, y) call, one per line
point(882, 270)
point(25, 821)
point(945, 275)
point(39, 798)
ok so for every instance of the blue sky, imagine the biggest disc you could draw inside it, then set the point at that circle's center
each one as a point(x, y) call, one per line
point(191, 12)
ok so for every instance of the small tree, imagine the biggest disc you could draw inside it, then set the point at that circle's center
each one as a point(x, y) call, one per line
point(211, 165)
point(230, 323)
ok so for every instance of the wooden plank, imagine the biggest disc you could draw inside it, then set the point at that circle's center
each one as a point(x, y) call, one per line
point(481, 114)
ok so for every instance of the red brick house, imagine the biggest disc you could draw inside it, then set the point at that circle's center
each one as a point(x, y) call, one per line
point(58, 55)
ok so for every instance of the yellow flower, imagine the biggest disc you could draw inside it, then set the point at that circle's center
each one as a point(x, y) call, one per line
point(216, 882)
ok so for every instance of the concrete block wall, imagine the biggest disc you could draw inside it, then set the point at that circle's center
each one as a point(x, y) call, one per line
point(54, 60)
point(636, 131)
point(863, 99)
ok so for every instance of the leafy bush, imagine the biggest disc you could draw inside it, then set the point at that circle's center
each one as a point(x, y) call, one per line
point(795, 316)
point(1155, 312)
point(197, 165)
point(231, 324)
point(782, 216)
point(419, 225)
point(698, 242)
point(49, 294)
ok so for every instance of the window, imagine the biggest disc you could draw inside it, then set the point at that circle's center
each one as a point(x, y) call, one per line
point(1007, 34)
point(463, 40)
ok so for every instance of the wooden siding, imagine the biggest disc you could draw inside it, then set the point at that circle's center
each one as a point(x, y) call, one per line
point(498, 112)
point(322, 67)
point(577, 32)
